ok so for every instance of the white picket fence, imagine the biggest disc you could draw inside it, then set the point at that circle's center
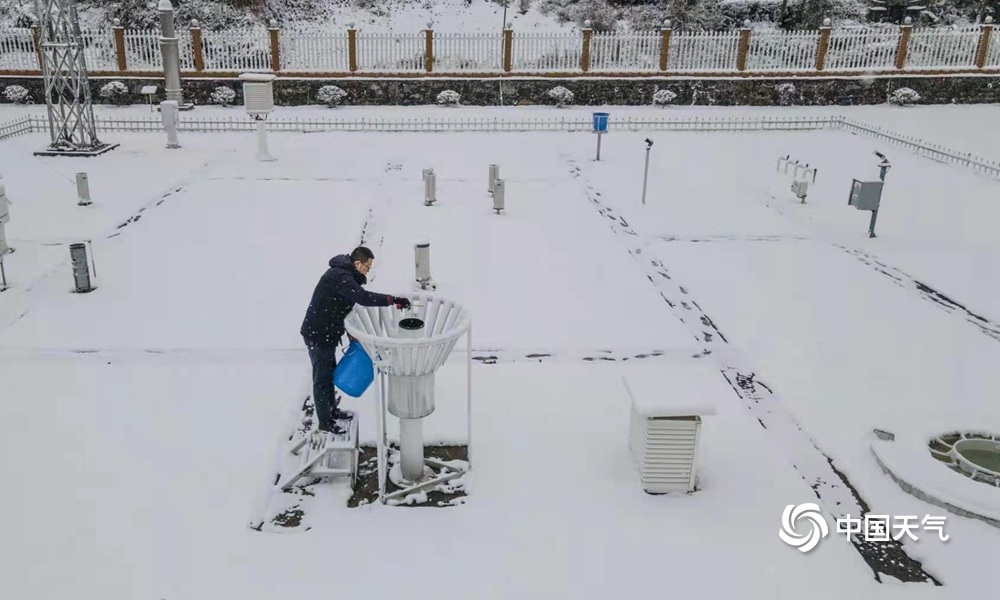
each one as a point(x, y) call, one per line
point(704, 51)
point(620, 53)
point(993, 54)
point(391, 51)
point(313, 51)
point(546, 52)
point(863, 48)
point(475, 52)
point(931, 48)
point(786, 51)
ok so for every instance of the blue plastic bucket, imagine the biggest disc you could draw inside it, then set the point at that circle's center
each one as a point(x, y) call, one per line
point(355, 372)
point(600, 122)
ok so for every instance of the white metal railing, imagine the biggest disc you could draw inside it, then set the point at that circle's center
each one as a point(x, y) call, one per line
point(546, 51)
point(918, 146)
point(943, 48)
point(17, 50)
point(391, 51)
point(476, 52)
point(783, 50)
point(704, 50)
point(862, 49)
point(940, 153)
point(20, 127)
point(639, 51)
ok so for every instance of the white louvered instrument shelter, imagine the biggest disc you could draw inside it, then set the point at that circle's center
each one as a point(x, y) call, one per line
point(665, 424)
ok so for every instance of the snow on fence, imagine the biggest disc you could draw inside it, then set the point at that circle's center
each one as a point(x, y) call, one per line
point(704, 50)
point(313, 51)
point(943, 48)
point(546, 51)
point(17, 50)
point(613, 51)
point(783, 50)
point(142, 49)
point(476, 52)
point(993, 54)
point(237, 50)
point(99, 50)
point(391, 51)
point(920, 147)
point(20, 127)
point(862, 48)
point(937, 152)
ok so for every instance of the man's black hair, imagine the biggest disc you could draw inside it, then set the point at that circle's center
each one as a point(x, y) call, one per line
point(361, 254)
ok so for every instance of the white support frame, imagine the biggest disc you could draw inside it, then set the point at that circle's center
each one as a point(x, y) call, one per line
point(383, 441)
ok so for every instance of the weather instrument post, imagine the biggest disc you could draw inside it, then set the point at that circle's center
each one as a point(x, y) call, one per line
point(600, 128)
point(258, 98)
point(867, 195)
point(645, 173)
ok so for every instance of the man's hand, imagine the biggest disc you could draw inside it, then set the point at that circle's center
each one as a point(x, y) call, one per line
point(401, 303)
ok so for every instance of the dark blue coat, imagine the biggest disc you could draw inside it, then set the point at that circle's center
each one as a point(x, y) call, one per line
point(338, 290)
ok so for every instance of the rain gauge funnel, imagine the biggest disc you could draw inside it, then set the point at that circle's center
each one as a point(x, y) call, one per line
point(407, 347)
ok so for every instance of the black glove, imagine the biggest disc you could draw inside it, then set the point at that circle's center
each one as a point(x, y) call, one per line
point(401, 303)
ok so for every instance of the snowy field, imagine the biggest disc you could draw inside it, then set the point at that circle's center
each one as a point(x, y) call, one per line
point(141, 422)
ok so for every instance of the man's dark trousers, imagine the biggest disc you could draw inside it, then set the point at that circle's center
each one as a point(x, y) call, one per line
point(324, 361)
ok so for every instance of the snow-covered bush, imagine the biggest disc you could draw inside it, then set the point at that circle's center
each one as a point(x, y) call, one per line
point(223, 95)
point(17, 94)
point(448, 98)
point(116, 92)
point(786, 93)
point(663, 97)
point(904, 96)
point(561, 95)
point(331, 95)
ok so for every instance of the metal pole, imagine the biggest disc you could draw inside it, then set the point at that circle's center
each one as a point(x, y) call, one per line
point(380, 436)
point(170, 53)
point(645, 175)
point(598, 145)
point(871, 224)
point(3, 276)
point(93, 263)
point(468, 395)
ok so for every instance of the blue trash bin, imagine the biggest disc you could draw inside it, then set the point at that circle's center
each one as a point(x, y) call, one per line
point(355, 372)
point(600, 122)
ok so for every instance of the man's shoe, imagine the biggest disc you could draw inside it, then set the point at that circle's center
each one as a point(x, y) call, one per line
point(335, 429)
point(339, 415)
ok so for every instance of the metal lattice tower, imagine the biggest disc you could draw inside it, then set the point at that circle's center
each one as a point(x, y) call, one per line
point(67, 86)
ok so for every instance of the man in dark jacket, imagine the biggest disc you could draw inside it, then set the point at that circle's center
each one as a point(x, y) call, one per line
point(338, 290)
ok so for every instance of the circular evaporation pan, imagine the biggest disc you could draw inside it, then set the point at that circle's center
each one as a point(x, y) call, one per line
point(983, 454)
point(975, 455)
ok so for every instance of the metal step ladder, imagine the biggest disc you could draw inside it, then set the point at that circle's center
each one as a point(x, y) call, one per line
point(326, 455)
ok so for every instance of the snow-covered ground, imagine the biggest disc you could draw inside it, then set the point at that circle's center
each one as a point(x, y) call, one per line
point(140, 422)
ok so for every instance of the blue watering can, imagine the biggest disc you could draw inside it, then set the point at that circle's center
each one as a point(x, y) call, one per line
point(355, 372)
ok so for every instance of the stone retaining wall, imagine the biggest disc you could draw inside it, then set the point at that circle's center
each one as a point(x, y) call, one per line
point(587, 91)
